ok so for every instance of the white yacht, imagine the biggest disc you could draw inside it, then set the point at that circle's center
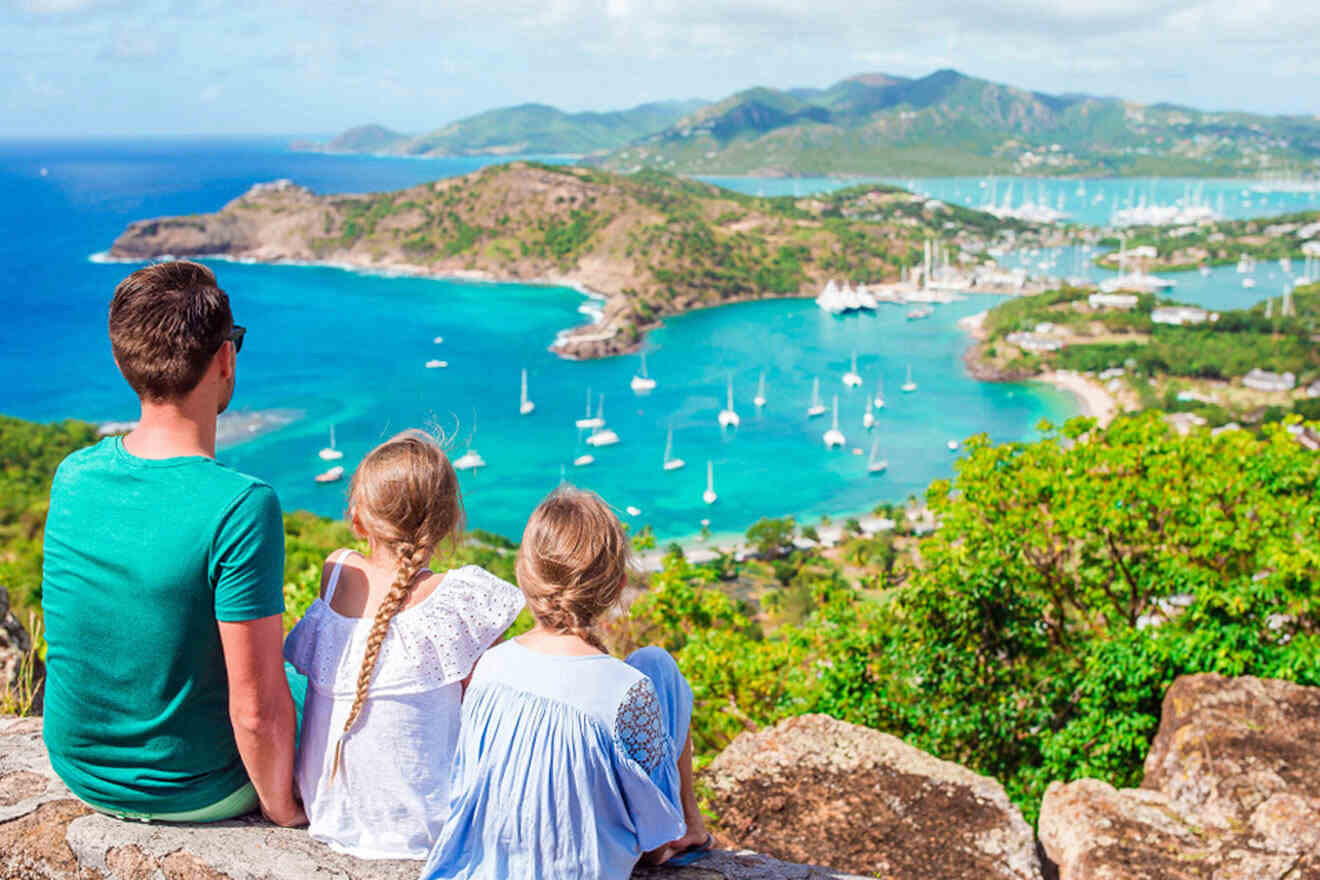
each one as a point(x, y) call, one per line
point(1248, 282)
point(851, 378)
point(330, 453)
point(816, 408)
point(590, 421)
point(601, 435)
point(469, 461)
point(728, 416)
point(909, 386)
point(525, 406)
point(434, 364)
point(834, 437)
point(438, 340)
point(709, 495)
point(759, 400)
point(880, 394)
point(633, 511)
point(868, 420)
point(642, 382)
point(918, 312)
point(952, 445)
point(671, 463)
point(876, 464)
point(584, 460)
point(333, 475)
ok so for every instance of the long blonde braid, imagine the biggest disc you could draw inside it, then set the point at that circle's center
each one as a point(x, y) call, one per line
point(405, 494)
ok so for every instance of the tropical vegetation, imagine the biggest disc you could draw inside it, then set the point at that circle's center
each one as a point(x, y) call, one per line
point(1031, 636)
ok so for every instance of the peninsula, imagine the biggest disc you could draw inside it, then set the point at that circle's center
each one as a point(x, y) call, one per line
point(1134, 351)
point(650, 244)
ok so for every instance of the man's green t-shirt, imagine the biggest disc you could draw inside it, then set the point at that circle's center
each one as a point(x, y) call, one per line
point(142, 557)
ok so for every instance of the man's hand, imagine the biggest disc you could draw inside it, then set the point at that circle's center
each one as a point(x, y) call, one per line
point(296, 819)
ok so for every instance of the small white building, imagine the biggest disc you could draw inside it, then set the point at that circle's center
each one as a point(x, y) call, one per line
point(1122, 301)
point(1034, 342)
point(1263, 380)
point(1179, 316)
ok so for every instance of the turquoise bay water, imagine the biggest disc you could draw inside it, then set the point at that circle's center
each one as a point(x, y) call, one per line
point(349, 350)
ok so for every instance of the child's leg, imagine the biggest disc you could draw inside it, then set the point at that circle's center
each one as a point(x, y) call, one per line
point(676, 706)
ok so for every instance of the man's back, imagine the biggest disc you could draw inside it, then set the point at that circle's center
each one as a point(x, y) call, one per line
point(142, 557)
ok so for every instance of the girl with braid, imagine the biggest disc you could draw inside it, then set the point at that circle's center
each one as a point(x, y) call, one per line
point(387, 649)
point(571, 764)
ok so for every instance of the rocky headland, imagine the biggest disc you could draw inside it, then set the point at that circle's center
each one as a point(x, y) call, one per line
point(651, 245)
point(1230, 791)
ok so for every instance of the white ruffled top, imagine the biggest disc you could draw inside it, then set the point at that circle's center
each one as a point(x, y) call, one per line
point(390, 798)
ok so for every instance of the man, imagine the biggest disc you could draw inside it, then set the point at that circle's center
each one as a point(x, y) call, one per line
point(166, 697)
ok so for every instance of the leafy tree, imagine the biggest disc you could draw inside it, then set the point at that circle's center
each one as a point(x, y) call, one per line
point(772, 537)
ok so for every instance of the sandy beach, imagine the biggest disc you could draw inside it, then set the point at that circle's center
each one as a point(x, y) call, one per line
point(1096, 402)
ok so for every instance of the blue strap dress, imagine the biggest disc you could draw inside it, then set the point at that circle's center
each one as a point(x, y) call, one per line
point(566, 767)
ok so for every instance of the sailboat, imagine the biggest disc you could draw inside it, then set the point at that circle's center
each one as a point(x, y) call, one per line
point(602, 436)
point(868, 420)
point(671, 463)
point(334, 474)
point(590, 421)
point(909, 386)
point(759, 399)
point(642, 382)
point(875, 464)
point(525, 406)
point(834, 437)
point(851, 378)
point(330, 453)
point(880, 394)
point(469, 461)
point(709, 495)
point(728, 417)
point(816, 408)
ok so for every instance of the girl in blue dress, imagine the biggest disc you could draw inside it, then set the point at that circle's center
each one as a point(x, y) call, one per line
point(570, 764)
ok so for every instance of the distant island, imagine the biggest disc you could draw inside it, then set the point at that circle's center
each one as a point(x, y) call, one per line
point(527, 130)
point(650, 244)
point(874, 124)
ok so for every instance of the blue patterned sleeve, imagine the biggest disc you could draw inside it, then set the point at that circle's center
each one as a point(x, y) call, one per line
point(648, 771)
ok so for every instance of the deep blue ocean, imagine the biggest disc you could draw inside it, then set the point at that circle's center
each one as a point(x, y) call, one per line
point(349, 350)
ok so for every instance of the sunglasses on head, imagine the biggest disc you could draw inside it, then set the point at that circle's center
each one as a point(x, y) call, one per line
point(236, 336)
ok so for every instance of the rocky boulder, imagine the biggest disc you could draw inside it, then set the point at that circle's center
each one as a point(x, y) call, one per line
point(816, 789)
point(21, 671)
point(1231, 790)
point(45, 834)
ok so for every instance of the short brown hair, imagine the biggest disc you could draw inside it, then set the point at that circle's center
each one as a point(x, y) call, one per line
point(167, 321)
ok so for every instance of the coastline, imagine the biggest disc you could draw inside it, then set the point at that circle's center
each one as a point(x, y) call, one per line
point(1093, 399)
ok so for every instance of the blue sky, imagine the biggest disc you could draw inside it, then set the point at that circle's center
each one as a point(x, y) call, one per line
point(73, 67)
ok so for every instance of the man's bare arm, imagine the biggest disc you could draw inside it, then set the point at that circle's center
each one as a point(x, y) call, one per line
point(262, 714)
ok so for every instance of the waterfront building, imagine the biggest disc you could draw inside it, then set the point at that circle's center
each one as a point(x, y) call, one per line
point(1263, 380)
point(1034, 342)
point(1122, 301)
point(1179, 316)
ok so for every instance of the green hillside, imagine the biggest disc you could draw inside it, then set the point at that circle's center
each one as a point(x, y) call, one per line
point(950, 123)
point(526, 129)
